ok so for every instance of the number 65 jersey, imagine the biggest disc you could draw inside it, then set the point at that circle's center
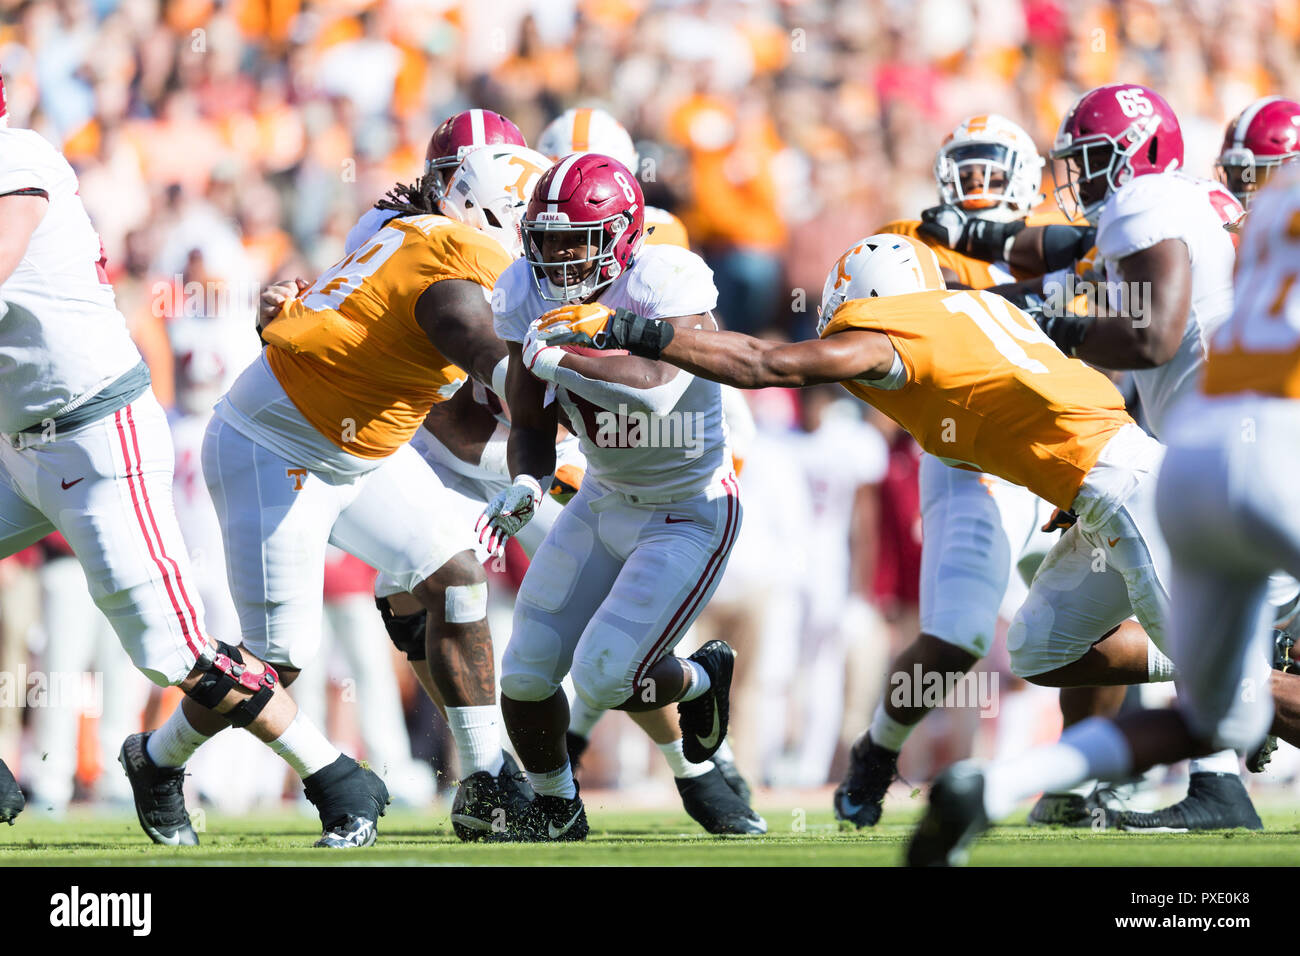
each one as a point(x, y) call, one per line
point(977, 383)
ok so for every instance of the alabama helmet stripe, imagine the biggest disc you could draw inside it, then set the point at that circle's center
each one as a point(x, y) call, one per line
point(557, 181)
point(477, 134)
point(1247, 117)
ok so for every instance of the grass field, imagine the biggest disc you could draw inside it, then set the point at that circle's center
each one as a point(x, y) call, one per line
point(621, 837)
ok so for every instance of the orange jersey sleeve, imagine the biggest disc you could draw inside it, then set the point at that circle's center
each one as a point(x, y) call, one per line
point(668, 229)
point(974, 273)
point(986, 388)
point(349, 351)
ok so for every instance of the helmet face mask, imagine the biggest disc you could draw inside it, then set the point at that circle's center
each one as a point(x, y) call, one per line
point(573, 261)
point(1244, 174)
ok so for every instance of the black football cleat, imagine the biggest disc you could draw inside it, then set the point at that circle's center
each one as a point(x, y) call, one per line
point(860, 797)
point(704, 719)
point(577, 746)
point(1214, 801)
point(953, 819)
point(554, 820)
point(159, 800)
point(730, 773)
point(1283, 646)
point(712, 804)
point(491, 808)
point(350, 799)
point(12, 800)
point(1095, 811)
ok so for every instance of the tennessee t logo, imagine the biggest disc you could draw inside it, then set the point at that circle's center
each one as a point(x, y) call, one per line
point(297, 474)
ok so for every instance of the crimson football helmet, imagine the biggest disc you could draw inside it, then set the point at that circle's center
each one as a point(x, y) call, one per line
point(1265, 136)
point(588, 202)
point(458, 135)
point(1109, 136)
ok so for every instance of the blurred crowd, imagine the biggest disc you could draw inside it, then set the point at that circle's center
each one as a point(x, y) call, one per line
point(224, 143)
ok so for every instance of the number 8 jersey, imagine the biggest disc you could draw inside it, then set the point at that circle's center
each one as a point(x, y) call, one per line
point(977, 383)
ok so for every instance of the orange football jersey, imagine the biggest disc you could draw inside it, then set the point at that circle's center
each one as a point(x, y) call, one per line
point(668, 229)
point(974, 273)
point(987, 389)
point(349, 352)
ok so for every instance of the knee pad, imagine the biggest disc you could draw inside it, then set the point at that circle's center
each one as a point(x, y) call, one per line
point(599, 690)
point(406, 631)
point(527, 687)
point(224, 671)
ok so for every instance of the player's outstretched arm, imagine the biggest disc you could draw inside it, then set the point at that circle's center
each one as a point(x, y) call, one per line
point(457, 319)
point(747, 362)
point(21, 214)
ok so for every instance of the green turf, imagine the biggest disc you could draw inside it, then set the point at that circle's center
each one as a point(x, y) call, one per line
point(631, 838)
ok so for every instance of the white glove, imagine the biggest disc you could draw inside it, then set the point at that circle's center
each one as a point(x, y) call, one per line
point(508, 512)
point(541, 357)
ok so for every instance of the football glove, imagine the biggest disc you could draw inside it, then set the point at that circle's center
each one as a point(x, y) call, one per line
point(600, 327)
point(978, 238)
point(1060, 520)
point(508, 511)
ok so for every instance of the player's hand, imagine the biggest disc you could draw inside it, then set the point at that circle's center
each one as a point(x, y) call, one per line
point(508, 511)
point(943, 224)
point(585, 324)
point(274, 297)
point(540, 357)
point(1060, 520)
point(984, 239)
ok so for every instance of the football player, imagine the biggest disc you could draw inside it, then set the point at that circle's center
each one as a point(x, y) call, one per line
point(309, 448)
point(86, 451)
point(1167, 258)
point(1224, 500)
point(641, 547)
point(1263, 138)
point(977, 527)
point(592, 130)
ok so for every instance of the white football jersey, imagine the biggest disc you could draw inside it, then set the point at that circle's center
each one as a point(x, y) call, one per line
point(62, 339)
point(680, 452)
point(1148, 210)
point(371, 221)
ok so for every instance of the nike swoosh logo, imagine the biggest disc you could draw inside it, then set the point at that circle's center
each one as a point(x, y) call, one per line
point(708, 742)
point(471, 823)
point(68, 484)
point(1113, 541)
point(849, 808)
point(669, 519)
point(556, 834)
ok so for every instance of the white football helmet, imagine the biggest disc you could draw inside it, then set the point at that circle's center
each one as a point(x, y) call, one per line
point(490, 190)
point(983, 147)
point(588, 130)
point(877, 266)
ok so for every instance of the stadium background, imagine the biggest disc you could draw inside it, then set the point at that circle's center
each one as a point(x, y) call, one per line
point(224, 144)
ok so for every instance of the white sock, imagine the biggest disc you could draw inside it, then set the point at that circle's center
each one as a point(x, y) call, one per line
point(682, 768)
point(699, 682)
point(582, 717)
point(887, 732)
point(1225, 761)
point(1159, 667)
point(554, 783)
point(1091, 748)
point(304, 747)
point(477, 734)
point(725, 751)
point(174, 743)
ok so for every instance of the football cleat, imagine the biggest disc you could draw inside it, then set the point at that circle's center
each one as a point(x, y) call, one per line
point(704, 719)
point(491, 808)
point(350, 799)
point(860, 797)
point(577, 746)
point(12, 800)
point(159, 800)
point(712, 804)
point(1214, 801)
point(554, 820)
point(730, 773)
point(1283, 644)
point(953, 819)
point(1074, 810)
